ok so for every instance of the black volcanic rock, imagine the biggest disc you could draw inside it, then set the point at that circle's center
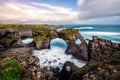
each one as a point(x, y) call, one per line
point(101, 47)
point(67, 70)
point(104, 61)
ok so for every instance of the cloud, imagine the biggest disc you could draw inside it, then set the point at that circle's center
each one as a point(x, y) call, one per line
point(33, 12)
point(90, 9)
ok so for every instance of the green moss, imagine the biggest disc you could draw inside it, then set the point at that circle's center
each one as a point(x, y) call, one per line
point(69, 34)
point(11, 71)
point(40, 34)
point(13, 27)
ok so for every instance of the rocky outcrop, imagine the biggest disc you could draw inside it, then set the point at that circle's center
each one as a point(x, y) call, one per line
point(104, 61)
point(9, 39)
point(41, 37)
point(67, 70)
point(78, 51)
point(51, 74)
point(101, 47)
point(29, 65)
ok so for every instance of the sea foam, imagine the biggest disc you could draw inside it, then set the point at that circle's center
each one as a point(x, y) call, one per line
point(56, 57)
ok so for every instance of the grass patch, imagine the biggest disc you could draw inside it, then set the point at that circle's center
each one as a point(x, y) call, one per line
point(11, 71)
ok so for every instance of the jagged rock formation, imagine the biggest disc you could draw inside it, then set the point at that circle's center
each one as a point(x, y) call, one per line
point(78, 51)
point(29, 65)
point(102, 55)
point(104, 61)
point(15, 54)
point(43, 36)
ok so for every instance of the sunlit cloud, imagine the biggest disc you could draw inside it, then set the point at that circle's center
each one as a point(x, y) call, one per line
point(90, 11)
point(36, 12)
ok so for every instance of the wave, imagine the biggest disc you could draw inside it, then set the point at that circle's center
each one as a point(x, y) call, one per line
point(59, 29)
point(100, 33)
point(55, 57)
point(27, 41)
point(84, 28)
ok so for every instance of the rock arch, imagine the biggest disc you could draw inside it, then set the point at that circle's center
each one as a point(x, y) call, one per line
point(43, 36)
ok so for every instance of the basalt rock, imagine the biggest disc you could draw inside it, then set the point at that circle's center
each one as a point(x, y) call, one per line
point(67, 70)
point(78, 51)
point(101, 47)
point(50, 74)
point(104, 61)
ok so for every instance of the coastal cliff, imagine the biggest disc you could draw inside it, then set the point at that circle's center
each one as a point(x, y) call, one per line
point(104, 61)
point(102, 56)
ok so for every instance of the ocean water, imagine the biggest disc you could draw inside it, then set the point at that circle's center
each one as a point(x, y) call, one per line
point(56, 57)
point(110, 32)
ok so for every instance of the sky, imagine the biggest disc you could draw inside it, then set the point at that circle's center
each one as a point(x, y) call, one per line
point(60, 11)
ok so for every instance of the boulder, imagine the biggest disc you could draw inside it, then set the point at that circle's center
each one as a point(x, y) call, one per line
point(67, 70)
point(50, 74)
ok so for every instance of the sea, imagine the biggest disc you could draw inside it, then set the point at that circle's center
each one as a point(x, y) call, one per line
point(55, 57)
point(109, 32)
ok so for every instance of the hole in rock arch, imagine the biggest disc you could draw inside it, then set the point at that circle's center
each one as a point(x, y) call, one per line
point(78, 42)
point(27, 40)
point(59, 43)
point(55, 56)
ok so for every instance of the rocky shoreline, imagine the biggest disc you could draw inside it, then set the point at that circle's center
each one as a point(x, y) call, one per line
point(103, 56)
